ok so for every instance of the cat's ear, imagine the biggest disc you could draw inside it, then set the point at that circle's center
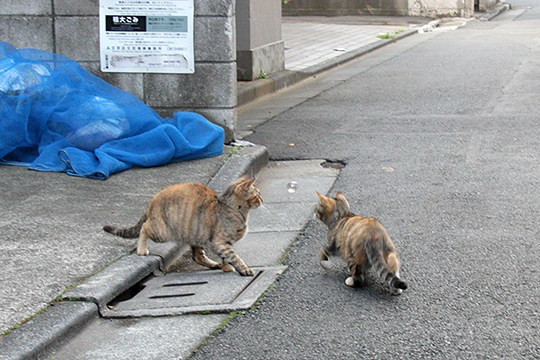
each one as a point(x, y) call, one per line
point(242, 179)
point(342, 203)
point(246, 182)
point(251, 181)
point(326, 201)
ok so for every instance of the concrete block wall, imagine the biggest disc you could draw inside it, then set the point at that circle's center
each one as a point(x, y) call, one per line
point(71, 28)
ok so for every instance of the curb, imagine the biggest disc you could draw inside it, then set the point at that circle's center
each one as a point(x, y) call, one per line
point(78, 307)
point(498, 10)
point(247, 160)
point(280, 80)
point(59, 321)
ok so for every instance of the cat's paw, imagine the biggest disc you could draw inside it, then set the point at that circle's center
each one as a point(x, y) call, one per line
point(326, 264)
point(396, 292)
point(247, 272)
point(143, 252)
point(227, 267)
point(349, 281)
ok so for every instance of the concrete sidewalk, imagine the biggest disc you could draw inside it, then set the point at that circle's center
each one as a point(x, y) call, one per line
point(51, 241)
point(314, 44)
point(51, 237)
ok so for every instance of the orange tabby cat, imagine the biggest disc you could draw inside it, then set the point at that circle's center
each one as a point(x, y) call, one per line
point(362, 242)
point(194, 214)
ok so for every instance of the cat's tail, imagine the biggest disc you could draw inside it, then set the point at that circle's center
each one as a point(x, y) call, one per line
point(127, 232)
point(374, 250)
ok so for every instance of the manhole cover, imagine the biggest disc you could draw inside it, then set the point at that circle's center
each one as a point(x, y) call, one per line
point(182, 293)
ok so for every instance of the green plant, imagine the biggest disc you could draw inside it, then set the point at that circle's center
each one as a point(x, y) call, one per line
point(386, 36)
point(389, 35)
point(27, 319)
point(263, 74)
point(224, 323)
point(235, 150)
point(227, 320)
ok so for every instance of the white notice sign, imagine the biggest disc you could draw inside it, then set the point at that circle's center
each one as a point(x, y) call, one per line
point(146, 36)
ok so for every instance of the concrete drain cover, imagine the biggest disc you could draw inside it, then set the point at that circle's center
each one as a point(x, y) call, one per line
point(204, 291)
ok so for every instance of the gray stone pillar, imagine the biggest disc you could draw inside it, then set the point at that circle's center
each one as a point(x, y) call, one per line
point(259, 42)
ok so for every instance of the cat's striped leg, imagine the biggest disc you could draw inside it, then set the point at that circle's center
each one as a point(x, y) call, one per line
point(226, 267)
point(396, 284)
point(142, 244)
point(357, 277)
point(324, 259)
point(226, 252)
point(199, 256)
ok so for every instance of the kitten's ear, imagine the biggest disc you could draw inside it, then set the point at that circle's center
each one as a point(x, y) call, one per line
point(247, 182)
point(342, 203)
point(235, 186)
point(242, 179)
point(325, 201)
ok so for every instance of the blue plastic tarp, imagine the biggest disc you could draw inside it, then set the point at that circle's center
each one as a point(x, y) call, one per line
point(57, 116)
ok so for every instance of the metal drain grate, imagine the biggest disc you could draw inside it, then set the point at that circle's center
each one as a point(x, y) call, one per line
point(204, 291)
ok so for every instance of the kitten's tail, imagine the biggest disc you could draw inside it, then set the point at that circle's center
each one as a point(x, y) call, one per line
point(129, 232)
point(376, 258)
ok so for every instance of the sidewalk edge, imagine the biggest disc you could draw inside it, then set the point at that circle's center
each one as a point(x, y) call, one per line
point(59, 321)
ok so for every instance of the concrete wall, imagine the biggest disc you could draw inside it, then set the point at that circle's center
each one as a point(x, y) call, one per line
point(485, 5)
point(441, 8)
point(428, 8)
point(345, 7)
point(71, 28)
point(259, 42)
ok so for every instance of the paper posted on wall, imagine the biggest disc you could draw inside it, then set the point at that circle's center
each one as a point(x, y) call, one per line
point(146, 36)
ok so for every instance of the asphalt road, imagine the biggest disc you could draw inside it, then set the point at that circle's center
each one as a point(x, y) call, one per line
point(440, 136)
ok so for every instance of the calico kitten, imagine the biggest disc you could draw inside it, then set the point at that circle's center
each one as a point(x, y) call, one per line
point(194, 214)
point(363, 242)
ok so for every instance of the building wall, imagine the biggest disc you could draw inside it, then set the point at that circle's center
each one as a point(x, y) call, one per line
point(428, 8)
point(71, 28)
point(485, 5)
point(441, 8)
point(345, 7)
